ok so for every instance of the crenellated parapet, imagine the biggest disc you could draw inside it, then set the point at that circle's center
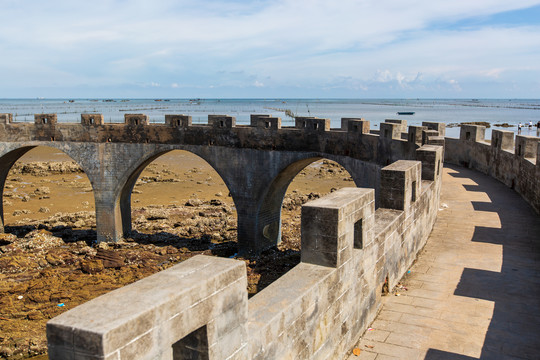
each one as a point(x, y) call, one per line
point(317, 310)
point(114, 155)
point(91, 119)
point(354, 138)
point(513, 160)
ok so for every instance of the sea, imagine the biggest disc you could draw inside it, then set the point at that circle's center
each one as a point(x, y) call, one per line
point(449, 111)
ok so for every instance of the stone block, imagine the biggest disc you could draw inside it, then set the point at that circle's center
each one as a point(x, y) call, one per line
point(265, 122)
point(6, 118)
point(335, 224)
point(427, 135)
point(355, 125)
point(312, 124)
point(402, 124)
point(189, 295)
point(431, 157)
point(472, 133)
point(92, 119)
point(135, 119)
point(222, 121)
point(390, 130)
point(437, 126)
point(415, 134)
point(45, 119)
point(400, 184)
point(526, 146)
point(254, 119)
point(182, 121)
point(502, 139)
point(436, 140)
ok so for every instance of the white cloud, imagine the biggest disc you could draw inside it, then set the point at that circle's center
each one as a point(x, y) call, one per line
point(293, 42)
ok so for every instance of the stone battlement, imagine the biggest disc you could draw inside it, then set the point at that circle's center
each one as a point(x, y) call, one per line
point(136, 128)
point(114, 155)
point(515, 161)
point(317, 310)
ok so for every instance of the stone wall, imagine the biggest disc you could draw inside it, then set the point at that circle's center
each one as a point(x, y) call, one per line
point(265, 133)
point(317, 310)
point(514, 162)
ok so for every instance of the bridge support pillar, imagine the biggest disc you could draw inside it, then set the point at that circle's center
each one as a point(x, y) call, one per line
point(108, 217)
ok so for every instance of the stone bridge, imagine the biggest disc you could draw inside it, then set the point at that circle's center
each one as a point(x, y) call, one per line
point(256, 162)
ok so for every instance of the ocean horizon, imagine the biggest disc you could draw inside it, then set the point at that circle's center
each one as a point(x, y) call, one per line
point(449, 111)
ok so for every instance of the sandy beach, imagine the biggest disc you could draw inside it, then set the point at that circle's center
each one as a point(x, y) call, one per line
point(49, 262)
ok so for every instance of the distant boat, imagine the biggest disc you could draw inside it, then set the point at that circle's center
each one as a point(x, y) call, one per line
point(405, 112)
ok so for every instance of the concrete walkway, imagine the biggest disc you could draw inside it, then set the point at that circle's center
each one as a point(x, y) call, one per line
point(474, 291)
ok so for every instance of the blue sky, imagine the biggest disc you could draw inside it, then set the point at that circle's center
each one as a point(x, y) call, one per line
point(269, 49)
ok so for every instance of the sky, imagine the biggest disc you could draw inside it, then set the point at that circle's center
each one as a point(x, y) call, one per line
point(270, 49)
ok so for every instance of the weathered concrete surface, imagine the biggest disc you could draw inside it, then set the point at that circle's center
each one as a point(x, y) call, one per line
point(516, 164)
point(257, 163)
point(161, 317)
point(474, 291)
point(315, 311)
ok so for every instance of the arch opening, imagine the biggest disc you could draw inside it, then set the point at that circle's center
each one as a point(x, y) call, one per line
point(176, 200)
point(44, 188)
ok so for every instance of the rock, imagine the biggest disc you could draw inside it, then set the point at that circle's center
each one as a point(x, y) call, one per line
point(102, 245)
point(506, 125)
point(44, 168)
point(87, 250)
point(219, 194)
point(482, 123)
point(42, 263)
point(20, 212)
point(215, 202)
point(79, 224)
point(92, 266)
point(25, 198)
point(157, 214)
point(54, 259)
point(85, 203)
point(110, 258)
point(193, 202)
point(44, 210)
point(43, 190)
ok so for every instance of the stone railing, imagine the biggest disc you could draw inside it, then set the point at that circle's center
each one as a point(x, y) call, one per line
point(514, 162)
point(198, 309)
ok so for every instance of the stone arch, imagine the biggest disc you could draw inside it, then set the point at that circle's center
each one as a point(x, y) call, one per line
point(269, 211)
point(11, 153)
point(126, 190)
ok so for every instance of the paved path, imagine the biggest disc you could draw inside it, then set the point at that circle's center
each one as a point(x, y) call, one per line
point(474, 291)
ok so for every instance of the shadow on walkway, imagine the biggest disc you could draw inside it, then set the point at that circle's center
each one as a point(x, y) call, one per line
point(514, 330)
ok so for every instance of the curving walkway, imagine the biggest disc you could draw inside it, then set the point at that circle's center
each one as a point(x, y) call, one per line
point(474, 291)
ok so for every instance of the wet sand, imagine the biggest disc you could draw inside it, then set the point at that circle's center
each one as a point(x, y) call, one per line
point(180, 208)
